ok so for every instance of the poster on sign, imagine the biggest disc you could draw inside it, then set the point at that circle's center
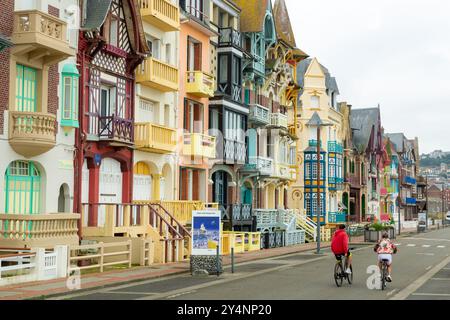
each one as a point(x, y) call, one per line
point(205, 232)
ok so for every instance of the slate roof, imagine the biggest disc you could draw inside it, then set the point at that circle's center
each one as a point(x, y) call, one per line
point(362, 121)
point(330, 82)
point(96, 12)
point(283, 23)
point(397, 139)
point(252, 14)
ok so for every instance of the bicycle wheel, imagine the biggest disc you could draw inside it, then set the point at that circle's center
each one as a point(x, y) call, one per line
point(350, 276)
point(383, 276)
point(338, 271)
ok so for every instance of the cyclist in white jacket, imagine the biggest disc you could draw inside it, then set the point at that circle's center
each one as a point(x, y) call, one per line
point(385, 248)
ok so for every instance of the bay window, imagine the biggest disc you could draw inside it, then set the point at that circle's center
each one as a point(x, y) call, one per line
point(70, 83)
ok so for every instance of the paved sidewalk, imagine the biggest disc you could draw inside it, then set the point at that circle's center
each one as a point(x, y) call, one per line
point(111, 278)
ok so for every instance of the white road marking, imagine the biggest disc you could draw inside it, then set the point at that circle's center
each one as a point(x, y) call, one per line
point(425, 254)
point(180, 294)
point(411, 245)
point(427, 239)
point(420, 281)
point(426, 246)
point(392, 292)
point(441, 279)
point(441, 247)
point(398, 244)
point(428, 268)
point(432, 294)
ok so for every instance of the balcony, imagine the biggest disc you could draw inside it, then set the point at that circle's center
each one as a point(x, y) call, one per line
point(234, 151)
point(32, 133)
point(264, 165)
point(38, 230)
point(158, 75)
point(337, 217)
point(199, 145)
point(335, 147)
point(259, 115)
point(313, 143)
point(229, 37)
point(200, 84)
point(161, 13)
point(411, 201)
point(154, 138)
point(409, 180)
point(116, 130)
point(41, 36)
point(279, 120)
point(383, 191)
point(285, 172)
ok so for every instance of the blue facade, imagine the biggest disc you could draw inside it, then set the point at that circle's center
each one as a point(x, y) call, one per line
point(310, 170)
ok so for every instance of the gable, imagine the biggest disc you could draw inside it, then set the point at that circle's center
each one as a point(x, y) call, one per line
point(314, 69)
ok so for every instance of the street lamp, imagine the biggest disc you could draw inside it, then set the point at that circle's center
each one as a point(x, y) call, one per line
point(315, 121)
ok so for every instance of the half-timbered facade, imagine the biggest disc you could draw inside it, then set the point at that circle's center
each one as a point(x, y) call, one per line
point(227, 112)
point(111, 47)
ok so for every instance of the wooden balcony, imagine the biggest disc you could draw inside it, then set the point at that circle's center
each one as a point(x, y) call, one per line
point(259, 115)
point(163, 14)
point(116, 130)
point(279, 120)
point(40, 36)
point(200, 84)
point(32, 133)
point(230, 37)
point(154, 138)
point(38, 230)
point(264, 165)
point(199, 145)
point(234, 151)
point(158, 75)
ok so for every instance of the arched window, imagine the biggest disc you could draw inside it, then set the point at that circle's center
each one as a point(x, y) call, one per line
point(23, 188)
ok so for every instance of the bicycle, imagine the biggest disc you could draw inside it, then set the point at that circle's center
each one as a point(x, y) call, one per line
point(339, 271)
point(384, 273)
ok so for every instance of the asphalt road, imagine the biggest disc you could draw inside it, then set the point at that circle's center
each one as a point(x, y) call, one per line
point(421, 270)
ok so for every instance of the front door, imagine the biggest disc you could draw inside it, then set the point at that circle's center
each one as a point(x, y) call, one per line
point(142, 182)
point(110, 186)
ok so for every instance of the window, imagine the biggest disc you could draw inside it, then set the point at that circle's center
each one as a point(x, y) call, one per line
point(168, 53)
point(193, 117)
point(114, 31)
point(154, 45)
point(237, 71)
point(315, 102)
point(223, 69)
point(26, 82)
point(195, 8)
point(70, 79)
point(194, 56)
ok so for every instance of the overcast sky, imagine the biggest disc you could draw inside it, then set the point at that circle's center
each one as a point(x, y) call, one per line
point(392, 52)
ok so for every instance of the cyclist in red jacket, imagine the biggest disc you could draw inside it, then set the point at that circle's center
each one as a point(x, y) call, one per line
point(339, 246)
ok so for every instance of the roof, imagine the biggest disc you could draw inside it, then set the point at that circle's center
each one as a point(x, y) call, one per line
point(362, 121)
point(397, 139)
point(330, 82)
point(96, 11)
point(252, 14)
point(283, 23)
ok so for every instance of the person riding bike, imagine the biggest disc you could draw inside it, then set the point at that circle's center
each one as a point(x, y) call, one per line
point(385, 248)
point(339, 246)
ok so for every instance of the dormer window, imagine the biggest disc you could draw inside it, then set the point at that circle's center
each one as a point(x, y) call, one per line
point(315, 102)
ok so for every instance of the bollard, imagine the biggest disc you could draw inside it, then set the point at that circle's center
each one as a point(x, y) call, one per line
point(232, 260)
point(218, 261)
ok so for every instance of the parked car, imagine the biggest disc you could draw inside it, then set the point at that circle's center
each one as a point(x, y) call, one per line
point(447, 217)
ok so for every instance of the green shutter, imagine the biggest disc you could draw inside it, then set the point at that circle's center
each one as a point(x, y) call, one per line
point(26, 82)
